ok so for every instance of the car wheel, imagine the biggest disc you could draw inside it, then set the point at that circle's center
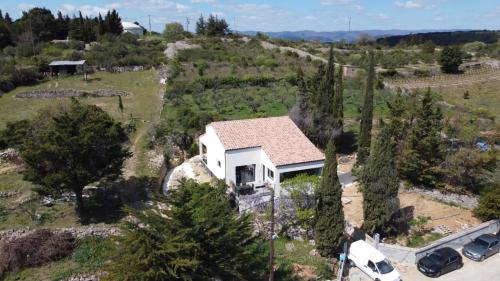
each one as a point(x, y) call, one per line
point(482, 258)
point(377, 279)
point(460, 265)
point(438, 274)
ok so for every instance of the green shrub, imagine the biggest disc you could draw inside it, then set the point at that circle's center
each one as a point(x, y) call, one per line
point(489, 204)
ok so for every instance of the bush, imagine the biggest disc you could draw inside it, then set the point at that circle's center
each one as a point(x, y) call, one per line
point(489, 204)
point(35, 249)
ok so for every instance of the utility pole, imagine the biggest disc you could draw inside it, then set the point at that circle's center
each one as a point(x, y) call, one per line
point(187, 24)
point(271, 239)
point(349, 32)
point(149, 16)
point(234, 24)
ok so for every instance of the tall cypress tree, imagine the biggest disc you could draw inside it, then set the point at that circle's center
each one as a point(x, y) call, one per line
point(328, 88)
point(380, 186)
point(338, 106)
point(329, 214)
point(365, 131)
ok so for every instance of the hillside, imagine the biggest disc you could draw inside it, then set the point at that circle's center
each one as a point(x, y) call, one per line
point(442, 38)
point(336, 36)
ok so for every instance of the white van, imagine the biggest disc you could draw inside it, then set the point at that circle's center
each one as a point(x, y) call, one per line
point(372, 262)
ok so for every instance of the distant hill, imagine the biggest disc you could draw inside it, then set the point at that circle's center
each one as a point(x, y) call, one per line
point(335, 36)
point(443, 38)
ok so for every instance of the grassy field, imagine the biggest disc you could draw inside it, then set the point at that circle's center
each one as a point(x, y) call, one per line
point(143, 105)
point(484, 98)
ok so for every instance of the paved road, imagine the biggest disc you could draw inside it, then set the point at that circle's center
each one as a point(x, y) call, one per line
point(488, 270)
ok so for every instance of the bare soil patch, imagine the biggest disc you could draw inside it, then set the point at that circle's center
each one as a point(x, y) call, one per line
point(440, 214)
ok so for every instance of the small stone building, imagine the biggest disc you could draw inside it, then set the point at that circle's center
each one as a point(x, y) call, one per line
point(67, 67)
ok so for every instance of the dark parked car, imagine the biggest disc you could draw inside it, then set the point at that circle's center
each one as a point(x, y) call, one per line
point(439, 262)
point(482, 247)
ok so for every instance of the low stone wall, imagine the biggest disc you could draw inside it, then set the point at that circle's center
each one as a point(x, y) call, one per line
point(99, 230)
point(412, 255)
point(68, 93)
point(467, 201)
point(457, 240)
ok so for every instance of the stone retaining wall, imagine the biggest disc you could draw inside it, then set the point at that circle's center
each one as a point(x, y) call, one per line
point(412, 255)
point(99, 230)
point(68, 93)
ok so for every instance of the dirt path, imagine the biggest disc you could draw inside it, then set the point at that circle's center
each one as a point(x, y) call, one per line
point(131, 165)
point(302, 54)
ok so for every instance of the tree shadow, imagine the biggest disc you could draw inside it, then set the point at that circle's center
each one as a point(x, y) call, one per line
point(95, 79)
point(105, 204)
point(348, 143)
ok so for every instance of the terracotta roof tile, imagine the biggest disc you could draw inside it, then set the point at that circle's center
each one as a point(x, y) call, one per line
point(282, 141)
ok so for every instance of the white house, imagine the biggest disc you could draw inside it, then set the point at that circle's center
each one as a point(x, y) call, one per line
point(254, 152)
point(130, 27)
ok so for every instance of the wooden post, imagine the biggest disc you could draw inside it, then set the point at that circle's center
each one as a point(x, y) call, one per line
point(271, 239)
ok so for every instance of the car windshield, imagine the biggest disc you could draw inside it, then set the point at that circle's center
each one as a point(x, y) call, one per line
point(481, 243)
point(436, 258)
point(384, 267)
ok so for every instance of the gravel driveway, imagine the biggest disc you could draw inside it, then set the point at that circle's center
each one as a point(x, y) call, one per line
point(488, 270)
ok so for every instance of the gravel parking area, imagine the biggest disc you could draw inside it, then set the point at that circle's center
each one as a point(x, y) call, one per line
point(488, 270)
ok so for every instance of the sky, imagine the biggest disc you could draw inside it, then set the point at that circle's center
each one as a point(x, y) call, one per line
point(288, 15)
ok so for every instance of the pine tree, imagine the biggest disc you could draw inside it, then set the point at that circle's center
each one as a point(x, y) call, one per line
point(197, 237)
point(423, 150)
point(329, 214)
point(365, 131)
point(201, 26)
point(7, 18)
point(101, 27)
point(1, 16)
point(380, 187)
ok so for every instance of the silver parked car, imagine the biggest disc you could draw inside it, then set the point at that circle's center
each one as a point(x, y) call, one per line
point(482, 247)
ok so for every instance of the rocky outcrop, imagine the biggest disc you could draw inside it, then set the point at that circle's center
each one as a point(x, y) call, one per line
point(173, 48)
point(87, 277)
point(464, 201)
point(68, 93)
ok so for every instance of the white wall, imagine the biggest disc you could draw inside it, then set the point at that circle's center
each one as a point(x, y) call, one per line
point(232, 158)
point(241, 157)
point(215, 152)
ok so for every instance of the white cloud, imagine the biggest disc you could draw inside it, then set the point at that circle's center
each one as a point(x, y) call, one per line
point(202, 1)
point(88, 10)
point(409, 5)
point(350, 4)
point(336, 2)
point(311, 18)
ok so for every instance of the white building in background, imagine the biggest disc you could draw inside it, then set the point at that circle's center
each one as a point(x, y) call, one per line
point(130, 27)
point(253, 152)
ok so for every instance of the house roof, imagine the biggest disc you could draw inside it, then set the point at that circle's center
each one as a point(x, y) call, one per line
point(282, 141)
point(66, 62)
point(130, 25)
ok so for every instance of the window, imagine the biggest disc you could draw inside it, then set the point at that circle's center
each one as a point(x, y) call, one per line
point(218, 163)
point(371, 265)
point(270, 174)
point(245, 174)
point(263, 173)
point(452, 259)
